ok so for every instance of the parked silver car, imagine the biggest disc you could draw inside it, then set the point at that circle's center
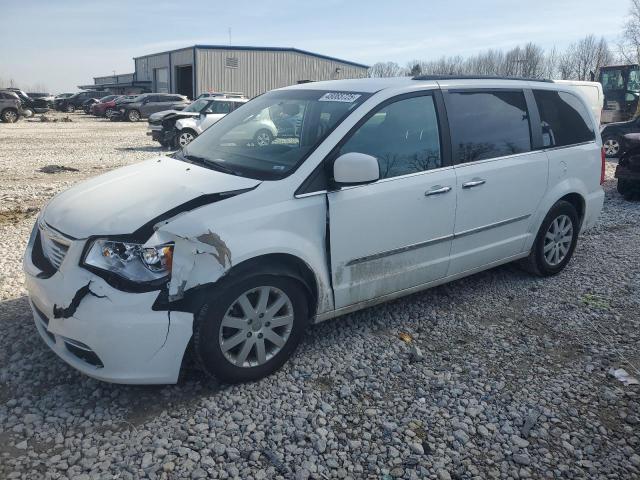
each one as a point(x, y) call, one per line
point(147, 103)
point(10, 107)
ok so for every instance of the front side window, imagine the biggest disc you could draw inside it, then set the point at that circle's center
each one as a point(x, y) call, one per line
point(633, 85)
point(268, 137)
point(403, 136)
point(488, 124)
point(220, 107)
point(612, 80)
point(564, 119)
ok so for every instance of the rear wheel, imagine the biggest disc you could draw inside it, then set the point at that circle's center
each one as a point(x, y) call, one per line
point(70, 108)
point(185, 137)
point(133, 115)
point(9, 115)
point(611, 145)
point(555, 242)
point(109, 112)
point(251, 327)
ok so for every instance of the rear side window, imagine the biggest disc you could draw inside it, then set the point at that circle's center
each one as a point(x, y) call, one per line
point(488, 124)
point(564, 119)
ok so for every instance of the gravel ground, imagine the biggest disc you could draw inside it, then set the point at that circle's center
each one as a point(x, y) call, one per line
point(499, 375)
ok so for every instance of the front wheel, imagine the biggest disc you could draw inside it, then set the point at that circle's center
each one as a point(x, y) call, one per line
point(109, 112)
point(70, 108)
point(263, 138)
point(27, 112)
point(9, 115)
point(133, 115)
point(184, 138)
point(250, 328)
point(555, 242)
point(611, 146)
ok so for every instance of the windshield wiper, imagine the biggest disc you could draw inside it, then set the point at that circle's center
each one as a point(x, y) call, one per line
point(210, 164)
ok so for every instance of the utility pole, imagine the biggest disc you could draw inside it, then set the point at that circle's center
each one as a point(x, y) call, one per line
point(229, 36)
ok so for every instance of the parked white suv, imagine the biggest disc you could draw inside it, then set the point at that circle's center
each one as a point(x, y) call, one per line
point(188, 128)
point(385, 187)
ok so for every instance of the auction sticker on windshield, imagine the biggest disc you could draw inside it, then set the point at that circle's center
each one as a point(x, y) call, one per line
point(339, 97)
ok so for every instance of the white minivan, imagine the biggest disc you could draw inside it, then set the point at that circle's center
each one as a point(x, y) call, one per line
point(228, 250)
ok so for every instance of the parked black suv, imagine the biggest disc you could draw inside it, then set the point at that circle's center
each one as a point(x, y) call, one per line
point(613, 140)
point(75, 101)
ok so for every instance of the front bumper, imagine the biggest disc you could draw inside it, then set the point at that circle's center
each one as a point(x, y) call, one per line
point(112, 335)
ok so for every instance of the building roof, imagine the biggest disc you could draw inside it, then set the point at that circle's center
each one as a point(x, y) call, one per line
point(258, 49)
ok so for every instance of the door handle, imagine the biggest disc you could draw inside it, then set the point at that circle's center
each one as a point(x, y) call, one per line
point(473, 183)
point(437, 190)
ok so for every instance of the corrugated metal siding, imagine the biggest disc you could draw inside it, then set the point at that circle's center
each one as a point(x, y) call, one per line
point(260, 71)
point(182, 57)
point(146, 65)
point(103, 80)
point(123, 78)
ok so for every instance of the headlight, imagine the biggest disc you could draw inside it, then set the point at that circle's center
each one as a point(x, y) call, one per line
point(132, 261)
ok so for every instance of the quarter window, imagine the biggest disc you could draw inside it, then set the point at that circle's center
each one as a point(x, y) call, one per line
point(564, 119)
point(403, 136)
point(488, 124)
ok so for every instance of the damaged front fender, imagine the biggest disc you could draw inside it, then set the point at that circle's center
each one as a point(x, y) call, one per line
point(197, 260)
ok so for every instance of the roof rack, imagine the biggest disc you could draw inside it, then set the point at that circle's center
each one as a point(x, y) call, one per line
point(478, 77)
point(225, 94)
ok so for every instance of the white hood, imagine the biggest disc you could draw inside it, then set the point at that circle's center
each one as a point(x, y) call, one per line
point(123, 200)
point(160, 115)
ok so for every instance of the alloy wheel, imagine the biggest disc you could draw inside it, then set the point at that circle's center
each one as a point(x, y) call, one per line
point(185, 139)
point(611, 147)
point(263, 139)
point(10, 116)
point(256, 326)
point(558, 239)
point(133, 116)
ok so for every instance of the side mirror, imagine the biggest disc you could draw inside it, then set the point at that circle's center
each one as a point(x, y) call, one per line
point(355, 168)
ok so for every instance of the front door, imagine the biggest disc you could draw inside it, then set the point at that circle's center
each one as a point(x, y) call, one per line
point(501, 180)
point(395, 233)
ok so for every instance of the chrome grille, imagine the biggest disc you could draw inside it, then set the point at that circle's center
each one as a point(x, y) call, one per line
point(54, 245)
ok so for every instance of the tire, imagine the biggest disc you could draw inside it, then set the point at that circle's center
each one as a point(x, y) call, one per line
point(27, 112)
point(133, 115)
point(108, 113)
point(9, 115)
point(611, 145)
point(242, 360)
point(623, 186)
point(543, 261)
point(69, 108)
point(263, 138)
point(184, 138)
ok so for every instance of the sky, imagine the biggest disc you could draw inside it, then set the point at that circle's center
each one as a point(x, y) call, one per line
point(59, 44)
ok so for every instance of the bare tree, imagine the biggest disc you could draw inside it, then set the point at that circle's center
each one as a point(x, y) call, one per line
point(629, 45)
point(386, 69)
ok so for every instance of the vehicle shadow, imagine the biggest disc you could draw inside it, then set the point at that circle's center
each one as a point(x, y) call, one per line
point(29, 369)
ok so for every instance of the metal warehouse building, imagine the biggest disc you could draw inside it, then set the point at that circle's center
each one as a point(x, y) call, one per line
point(249, 70)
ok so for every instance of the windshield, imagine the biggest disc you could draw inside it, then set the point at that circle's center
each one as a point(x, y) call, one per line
point(197, 105)
point(270, 136)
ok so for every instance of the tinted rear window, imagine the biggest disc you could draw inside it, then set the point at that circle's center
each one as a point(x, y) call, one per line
point(488, 124)
point(564, 119)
